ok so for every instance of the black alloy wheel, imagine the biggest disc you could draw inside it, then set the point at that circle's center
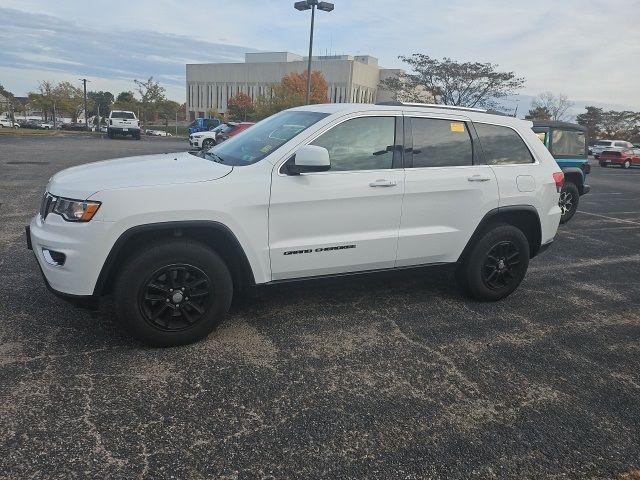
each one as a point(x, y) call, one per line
point(501, 265)
point(176, 297)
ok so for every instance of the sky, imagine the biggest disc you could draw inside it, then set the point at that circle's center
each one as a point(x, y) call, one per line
point(587, 49)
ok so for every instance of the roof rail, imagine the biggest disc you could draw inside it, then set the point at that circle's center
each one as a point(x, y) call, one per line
point(431, 105)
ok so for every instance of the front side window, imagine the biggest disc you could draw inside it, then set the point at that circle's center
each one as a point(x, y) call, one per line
point(257, 142)
point(365, 143)
point(603, 143)
point(502, 145)
point(568, 143)
point(440, 143)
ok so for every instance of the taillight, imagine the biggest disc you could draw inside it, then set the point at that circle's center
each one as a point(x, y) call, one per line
point(110, 122)
point(558, 177)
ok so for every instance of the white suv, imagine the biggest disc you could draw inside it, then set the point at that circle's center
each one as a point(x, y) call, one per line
point(122, 122)
point(615, 145)
point(312, 191)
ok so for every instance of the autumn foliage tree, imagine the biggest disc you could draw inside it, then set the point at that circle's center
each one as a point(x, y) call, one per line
point(239, 107)
point(291, 92)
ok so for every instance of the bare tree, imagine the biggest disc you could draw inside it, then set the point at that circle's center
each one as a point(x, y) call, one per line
point(555, 105)
point(468, 84)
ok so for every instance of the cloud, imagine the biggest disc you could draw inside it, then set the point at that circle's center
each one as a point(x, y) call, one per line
point(41, 44)
point(588, 50)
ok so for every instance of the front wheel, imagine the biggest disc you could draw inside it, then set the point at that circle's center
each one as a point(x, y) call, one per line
point(626, 164)
point(603, 164)
point(208, 143)
point(568, 202)
point(496, 265)
point(173, 293)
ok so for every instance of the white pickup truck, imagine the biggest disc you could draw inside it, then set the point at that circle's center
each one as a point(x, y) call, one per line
point(123, 123)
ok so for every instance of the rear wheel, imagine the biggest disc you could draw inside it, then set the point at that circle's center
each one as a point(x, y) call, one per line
point(626, 164)
point(568, 202)
point(496, 265)
point(173, 293)
point(208, 143)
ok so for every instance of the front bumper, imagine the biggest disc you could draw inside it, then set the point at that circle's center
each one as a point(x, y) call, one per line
point(83, 245)
point(91, 302)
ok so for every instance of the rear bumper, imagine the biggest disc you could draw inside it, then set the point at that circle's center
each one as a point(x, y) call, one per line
point(124, 130)
point(544, 247)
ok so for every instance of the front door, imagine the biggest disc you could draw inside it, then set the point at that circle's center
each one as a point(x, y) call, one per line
point(345, 219)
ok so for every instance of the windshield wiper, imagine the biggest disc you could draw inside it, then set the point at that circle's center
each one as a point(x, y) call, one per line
point(214, 157)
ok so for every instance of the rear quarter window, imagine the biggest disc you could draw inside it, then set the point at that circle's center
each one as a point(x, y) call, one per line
point(502, 145)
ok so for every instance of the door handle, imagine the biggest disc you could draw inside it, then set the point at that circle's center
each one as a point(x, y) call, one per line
point(383, 183)
point(478, 178)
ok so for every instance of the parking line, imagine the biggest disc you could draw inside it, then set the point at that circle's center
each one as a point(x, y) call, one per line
point(620, 220)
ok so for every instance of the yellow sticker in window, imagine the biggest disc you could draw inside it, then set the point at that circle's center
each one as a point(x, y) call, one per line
point(457, 127)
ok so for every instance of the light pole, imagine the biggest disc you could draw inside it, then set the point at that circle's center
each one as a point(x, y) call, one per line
point(311, 5)
point(84, 85)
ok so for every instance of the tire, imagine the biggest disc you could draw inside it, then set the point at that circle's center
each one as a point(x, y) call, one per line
point(626, 164)
point(482, 276)
point(110, 134)
point(603, 164)
point(208, 143)
point(153, 288)
point(568, 202)
point(136, 136)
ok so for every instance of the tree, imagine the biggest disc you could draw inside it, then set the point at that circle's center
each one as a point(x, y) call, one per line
point(167, 109)
point(468, 84)
point(101, 101)
point(126, 101)
point(538, 113)
point(151, 94)
point(617, 124)
point(291, 92)
point(239, 106)
point(70, 100)
point(556, 105)
point(592, 119)
point(44, 98)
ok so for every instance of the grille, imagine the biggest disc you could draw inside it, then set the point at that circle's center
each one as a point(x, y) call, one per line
point(48, 202)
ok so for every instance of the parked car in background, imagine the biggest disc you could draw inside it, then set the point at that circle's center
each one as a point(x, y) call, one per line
point(624, 158)
point(29, 124)
point(203, 124)
point(567, 142)
point(8, 123)
point(123, 122)
point(237, 128)
point(46, 125)
point(208, 139)
point(615, 145)
point(157, 133)
point(74, 126)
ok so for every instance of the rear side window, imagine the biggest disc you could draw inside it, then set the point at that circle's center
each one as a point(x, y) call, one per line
point(621, 144)
point(568, 143)
point(440, 143)
point(127, 115)
point(502, 145)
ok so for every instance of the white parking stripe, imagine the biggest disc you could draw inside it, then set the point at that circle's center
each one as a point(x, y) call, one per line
point(619, 220)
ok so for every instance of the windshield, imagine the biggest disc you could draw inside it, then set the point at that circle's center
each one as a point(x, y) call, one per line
point(129, 115)
point(263, 138)
point(603, 143)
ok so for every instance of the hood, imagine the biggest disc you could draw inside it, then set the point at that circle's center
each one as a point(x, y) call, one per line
point(160, 169)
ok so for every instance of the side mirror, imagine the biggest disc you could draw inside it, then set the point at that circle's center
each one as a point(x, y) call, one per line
point(309, 158)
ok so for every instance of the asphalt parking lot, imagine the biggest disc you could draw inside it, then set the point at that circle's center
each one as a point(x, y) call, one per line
point(377, 376)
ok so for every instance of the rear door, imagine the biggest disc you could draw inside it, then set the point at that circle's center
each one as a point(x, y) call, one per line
point(447, 189)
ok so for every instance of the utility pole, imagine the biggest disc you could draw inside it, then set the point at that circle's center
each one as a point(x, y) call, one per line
point(176, 123)
point(84, 85)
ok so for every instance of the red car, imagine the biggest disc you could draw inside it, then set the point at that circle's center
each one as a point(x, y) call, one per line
point(625, 158)
point(234, 130)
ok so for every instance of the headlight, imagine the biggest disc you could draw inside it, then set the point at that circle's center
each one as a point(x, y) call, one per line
point(75, 210)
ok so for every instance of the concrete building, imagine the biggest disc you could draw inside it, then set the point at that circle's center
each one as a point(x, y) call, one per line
point(349, 79)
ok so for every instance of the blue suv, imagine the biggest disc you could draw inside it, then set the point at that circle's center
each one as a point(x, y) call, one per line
point(567, 142)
